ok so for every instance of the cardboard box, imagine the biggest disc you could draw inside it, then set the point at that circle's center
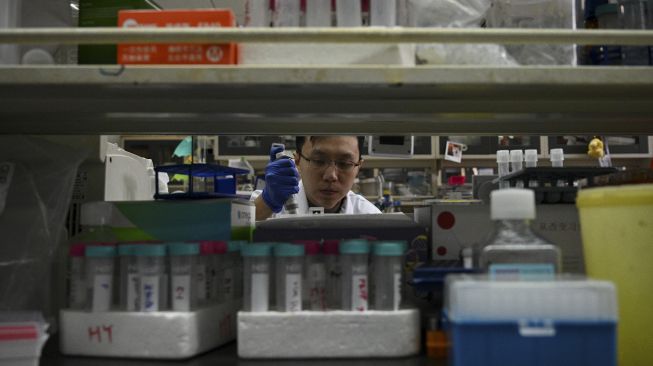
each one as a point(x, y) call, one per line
point(179, 54)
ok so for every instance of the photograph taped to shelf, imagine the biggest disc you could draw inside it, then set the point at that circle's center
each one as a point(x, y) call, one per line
point(454, 152)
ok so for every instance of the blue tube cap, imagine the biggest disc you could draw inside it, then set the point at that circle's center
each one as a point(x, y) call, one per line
point(126, 249)
point(256, 250)
point(184, 248)
point(354, 247)
point(389, 248)
point(150, 250)
point(288, 250)
point(234, 246)
point(100, 251)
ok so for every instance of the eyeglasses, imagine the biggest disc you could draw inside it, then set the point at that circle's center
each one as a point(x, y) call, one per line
point(344, 166)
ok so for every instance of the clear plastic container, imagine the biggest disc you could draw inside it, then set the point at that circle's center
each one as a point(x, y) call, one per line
point(517, 164)
point(153, 277)
point(349, 13)
point(318, 13)
point(100, 275)
point(314, 277)
point(289, 259)
point(286, 13)
point(530, 161)
point(257, 270)
point(331, 252)
point(183, 264)
point(515, 251)
point(387, 268)
point(257, 13)
point(557, 157)
point(76, 277)
point(503, 163)
point(129, 281)
point(383, 13)
point(355, 281)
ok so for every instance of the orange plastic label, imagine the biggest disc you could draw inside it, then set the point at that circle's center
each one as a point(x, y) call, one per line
point(185, 53)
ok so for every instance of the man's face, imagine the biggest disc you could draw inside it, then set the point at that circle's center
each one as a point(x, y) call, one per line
point(327, 185)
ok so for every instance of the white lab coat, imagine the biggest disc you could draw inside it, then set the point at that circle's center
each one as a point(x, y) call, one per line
point(353, 204)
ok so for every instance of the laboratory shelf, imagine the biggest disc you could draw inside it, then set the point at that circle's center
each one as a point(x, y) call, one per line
point(277, 100)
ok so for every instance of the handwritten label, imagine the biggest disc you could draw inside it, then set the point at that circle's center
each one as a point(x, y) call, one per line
point(100, 333)
point(102, 291)
point(181, 293)
point(316, 284)
point(359, 292)
point(149, 293)
point(293, 292)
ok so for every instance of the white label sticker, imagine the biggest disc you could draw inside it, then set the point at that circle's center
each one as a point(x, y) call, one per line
point(201, 282)
point(293, 292)
point(102, 290)
point(6, 175)
point(132, 292)
point(260, 292)
point(149, 293)
point(359, 290)
point(242, 215)
point(397, 287)
point(181, 293)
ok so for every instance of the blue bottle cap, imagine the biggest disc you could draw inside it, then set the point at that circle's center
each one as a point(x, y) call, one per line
point(184, 248)
point(389, 248)
point(234, 246)
point(150, 250)
point(256, 250)
point(126, 249)
point(100, 251)
point(357, 246)
point(288, 250)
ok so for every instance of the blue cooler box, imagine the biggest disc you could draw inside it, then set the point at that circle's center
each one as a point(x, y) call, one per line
point(539, 323)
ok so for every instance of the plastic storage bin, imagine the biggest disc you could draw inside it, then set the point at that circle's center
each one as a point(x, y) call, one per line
point(561, 322)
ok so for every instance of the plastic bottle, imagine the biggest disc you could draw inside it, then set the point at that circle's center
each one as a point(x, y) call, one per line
point(349, 13)
point(100, 273)
point(256, 284)
point(289, 260)
point(153, 278)
point(257, 13)
point(291, 204)
point(387, 264)
point(503, 162)
point(330, 249)
point(383, 13)
point(318, 13)
point(286, 13)
point(314, 277)
point(183, 264)
point(129, 281)
point(355, 282)
point(515, 251)
point(76, 277)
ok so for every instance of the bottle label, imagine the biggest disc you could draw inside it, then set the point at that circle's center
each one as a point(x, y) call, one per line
point(102, 290)
point(181, 292)
point(260, 292)
point(132, 292)
point(522, 272)
point(397, 290)
point(293, 292)
point(359, 292)
point(150, 293)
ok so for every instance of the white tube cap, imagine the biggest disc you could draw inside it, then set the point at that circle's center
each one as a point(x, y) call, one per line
point(96, 213)
point(557, 155)
point(530, 155)
point(516, 156)
point(512, 204)
point(503, 156)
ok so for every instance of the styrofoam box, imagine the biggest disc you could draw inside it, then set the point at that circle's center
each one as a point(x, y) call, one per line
point(332, 334)
point(21, 343)
point(164, 335)
point(327, 54)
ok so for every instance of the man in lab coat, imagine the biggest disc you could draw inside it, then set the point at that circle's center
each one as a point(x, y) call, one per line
point(321, 175)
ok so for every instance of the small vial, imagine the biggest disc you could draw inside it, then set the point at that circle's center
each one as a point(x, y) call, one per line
point(383, 13)
point(330, 249)
point(257, 13)
point(256, 283)
point(231, 271)
point(217, 268)
point(99, 272)
point(530, 161)
point(318, 13)
point(503, 162)
point(349, 13)
point(286, 13)
point(557, 159)
point(76, 277)
point(234, 248)
point(203, 273)
point(355, 283)
point(467, 255)
point(517, 164)
point(288, 265)
point(314, 277)
point(129, 281)
point(388, 258)
point(153, 278)
point(183, 264)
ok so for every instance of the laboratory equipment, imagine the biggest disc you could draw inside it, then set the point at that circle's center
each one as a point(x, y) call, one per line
point(257, 13)
point(95, 222)
point(355, 281)
point(289, 260)
point(388, 273)
point(230, 270)
point(315, 277)
point(233, 249)
point(99, 274)
point(218, 262)
point(383, 13)
point(349, 13)
point(331, 252)
point(318, 13)
point(291, 203)
point(557, 157)
point(503, 162)
point(286, 13)
point(129, 281)
point(516, 164)
point(153, 278)
point(391, 146)
point(530, 161)
point(203, 273)
point(183, 264)
point(76, 278)
point(257, 268)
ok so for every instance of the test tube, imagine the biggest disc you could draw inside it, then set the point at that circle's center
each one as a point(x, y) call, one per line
point(217, 268)
point(129, 282)
point(99, 272)
point(348, 13)
point(257, 13)
point(334, 274)
point(256, 283)
point(557, 158)
point(530, 161)
point(203, 275)
point(314, 278)
point(388, 258)
point(503, 162)
point(517, 164)
point(355, 283)
point(318, 13)
point(76, 277)
point(289, 259)
point(234, 248)
point(230, 271)
point(183, 264)
point(383, 13)
point(152, 274)
point(286, 13)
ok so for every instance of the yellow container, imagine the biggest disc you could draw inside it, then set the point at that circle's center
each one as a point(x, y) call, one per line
point(617, 229)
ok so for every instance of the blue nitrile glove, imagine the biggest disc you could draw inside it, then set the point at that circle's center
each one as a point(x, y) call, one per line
point(281, 180)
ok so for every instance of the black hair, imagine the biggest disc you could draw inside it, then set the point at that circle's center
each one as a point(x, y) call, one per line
point(299, 143)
